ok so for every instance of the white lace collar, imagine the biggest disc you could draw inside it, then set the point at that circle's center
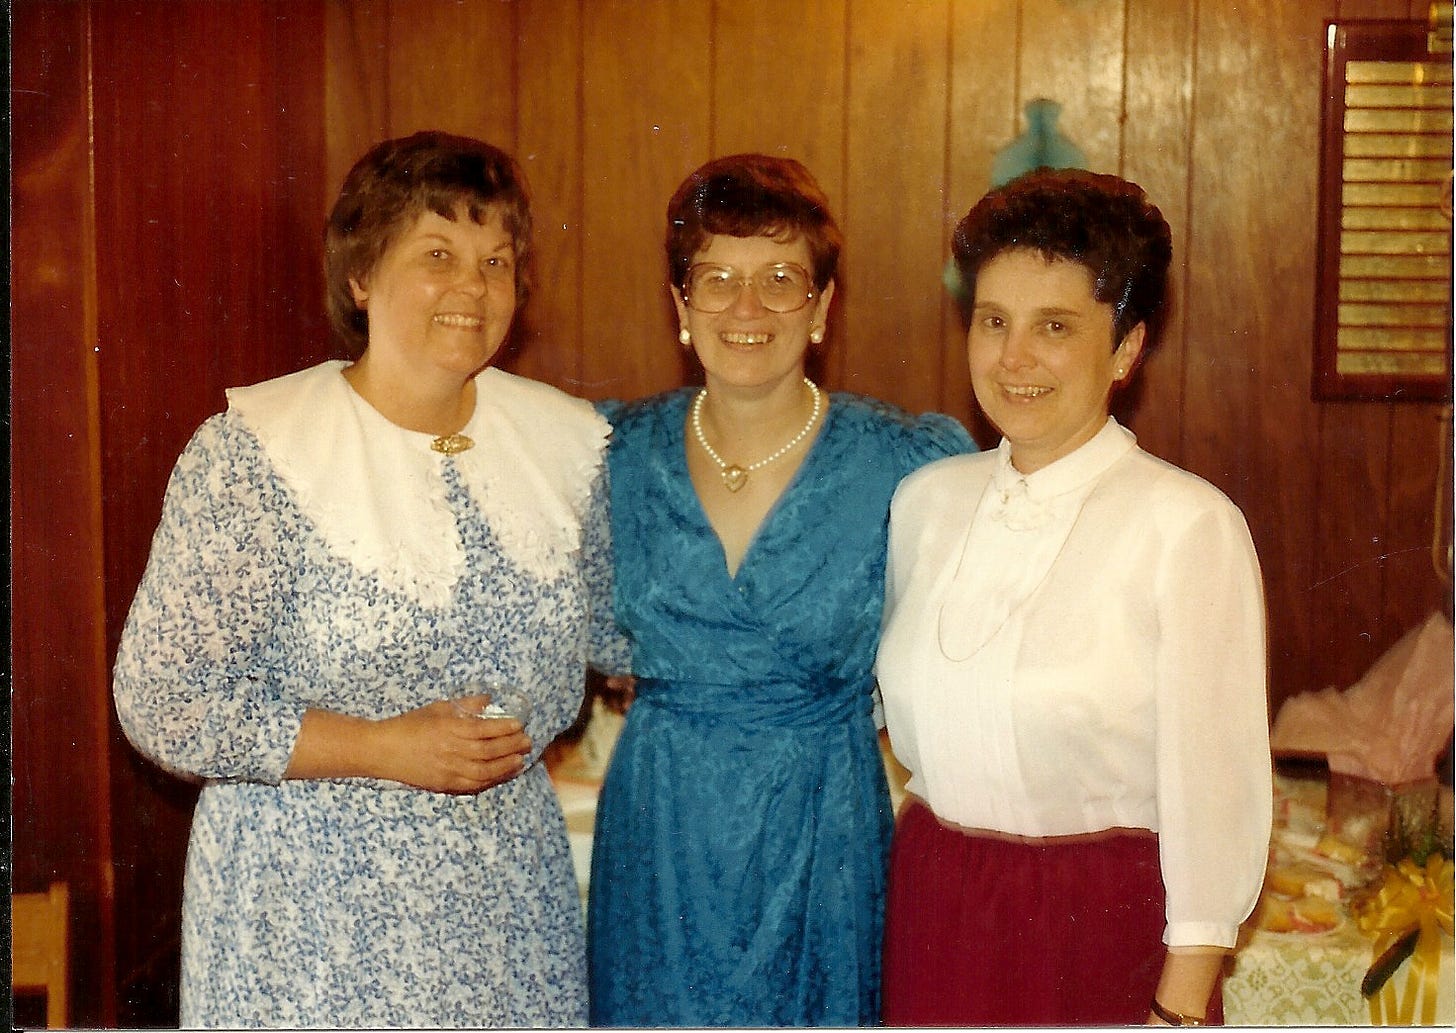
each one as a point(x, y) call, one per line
point(376, 492)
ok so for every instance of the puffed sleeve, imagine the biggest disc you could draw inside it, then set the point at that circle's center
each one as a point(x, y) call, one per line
point(929, 437)
point(609, 650)
point(1214, 777)
point(191, 678)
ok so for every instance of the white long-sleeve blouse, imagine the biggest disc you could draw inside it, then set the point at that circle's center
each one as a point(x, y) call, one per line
point(1082, 649)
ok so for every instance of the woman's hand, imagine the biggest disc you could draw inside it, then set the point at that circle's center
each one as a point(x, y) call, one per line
point(618, 692)
point(1187, 983)
point(447, 748)
point(442, 747)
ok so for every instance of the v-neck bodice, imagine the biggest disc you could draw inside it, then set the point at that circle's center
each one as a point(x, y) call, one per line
point(804, 470)
point(804, 603)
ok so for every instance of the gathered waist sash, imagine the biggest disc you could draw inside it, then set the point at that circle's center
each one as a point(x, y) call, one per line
point(770, 704)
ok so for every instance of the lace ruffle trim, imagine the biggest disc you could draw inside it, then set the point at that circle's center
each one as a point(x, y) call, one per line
point(377, 493)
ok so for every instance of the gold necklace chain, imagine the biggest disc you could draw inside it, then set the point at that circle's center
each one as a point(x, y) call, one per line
point(734, 475)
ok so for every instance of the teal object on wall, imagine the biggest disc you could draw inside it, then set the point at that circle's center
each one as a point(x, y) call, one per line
point(1041, 146)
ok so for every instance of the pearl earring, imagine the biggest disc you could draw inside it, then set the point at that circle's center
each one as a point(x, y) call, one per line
point(685, 337)
point(816, 336)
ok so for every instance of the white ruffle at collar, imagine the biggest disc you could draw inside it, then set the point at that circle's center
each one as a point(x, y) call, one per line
point(1020, 526)
point(376, 492)
point(1025, 502)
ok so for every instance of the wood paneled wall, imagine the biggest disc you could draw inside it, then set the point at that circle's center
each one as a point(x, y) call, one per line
point(179, 255)
point(899, 108)
point(59, 724)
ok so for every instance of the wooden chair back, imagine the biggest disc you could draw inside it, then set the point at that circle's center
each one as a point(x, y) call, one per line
point(40, 943)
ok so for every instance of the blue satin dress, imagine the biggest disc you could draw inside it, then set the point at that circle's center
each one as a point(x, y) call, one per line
point(738, 869)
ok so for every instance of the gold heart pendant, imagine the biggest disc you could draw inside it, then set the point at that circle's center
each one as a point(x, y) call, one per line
point(734, 477)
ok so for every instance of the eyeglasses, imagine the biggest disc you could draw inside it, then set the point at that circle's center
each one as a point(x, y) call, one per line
point(784, 287)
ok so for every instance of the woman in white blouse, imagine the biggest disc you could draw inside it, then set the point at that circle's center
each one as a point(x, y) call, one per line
point(1073, 665)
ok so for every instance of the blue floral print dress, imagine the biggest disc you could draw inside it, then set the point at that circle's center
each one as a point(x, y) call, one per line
point(739, 857)
point(312, 554)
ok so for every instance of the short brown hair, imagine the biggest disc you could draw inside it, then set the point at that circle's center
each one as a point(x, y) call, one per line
point(396, 182)
point(1103, 223)
point(751, 195)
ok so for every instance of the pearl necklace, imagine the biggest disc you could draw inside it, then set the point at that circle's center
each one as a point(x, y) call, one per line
point(735, 476)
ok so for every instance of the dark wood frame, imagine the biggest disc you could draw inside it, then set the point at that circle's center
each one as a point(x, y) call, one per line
point(1360, 40)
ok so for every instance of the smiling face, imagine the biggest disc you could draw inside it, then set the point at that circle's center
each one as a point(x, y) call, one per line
point(1041, 355)
point(441, 298)
point(746, 346)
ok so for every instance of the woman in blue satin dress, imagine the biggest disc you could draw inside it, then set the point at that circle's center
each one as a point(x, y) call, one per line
point(739, 860)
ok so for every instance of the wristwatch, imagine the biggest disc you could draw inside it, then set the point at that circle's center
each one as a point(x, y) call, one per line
point(1174, 1018)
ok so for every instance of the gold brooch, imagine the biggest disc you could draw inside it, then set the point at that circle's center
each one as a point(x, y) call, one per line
point(452, 444)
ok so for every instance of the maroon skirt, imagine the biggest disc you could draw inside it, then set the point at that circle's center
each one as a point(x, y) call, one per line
point(981, 931)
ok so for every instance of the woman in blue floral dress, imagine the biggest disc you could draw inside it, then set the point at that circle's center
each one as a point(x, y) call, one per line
point(739, 858)
point(344, 556)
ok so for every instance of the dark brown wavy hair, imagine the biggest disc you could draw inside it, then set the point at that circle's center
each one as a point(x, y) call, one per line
point(1102, 222)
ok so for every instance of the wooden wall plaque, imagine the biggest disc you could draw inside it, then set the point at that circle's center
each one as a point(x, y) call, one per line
point(1383, 325)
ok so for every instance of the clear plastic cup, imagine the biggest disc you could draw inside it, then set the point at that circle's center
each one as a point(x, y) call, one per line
point(505, 701)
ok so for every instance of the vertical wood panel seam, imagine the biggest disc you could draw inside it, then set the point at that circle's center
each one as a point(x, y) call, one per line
point(515, 50)
point(837, 374)
point(387, 98)
point(1122, 105)
point(579, 209)
point(106, 863)
point(1020, 50)
point(713, 81)
point(1317, 576)
point(1387, 523)
point(942, 336)
point(1189, 163)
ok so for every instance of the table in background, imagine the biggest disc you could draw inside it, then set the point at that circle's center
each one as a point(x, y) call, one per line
point(1300, 979)
point(1313, 979)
